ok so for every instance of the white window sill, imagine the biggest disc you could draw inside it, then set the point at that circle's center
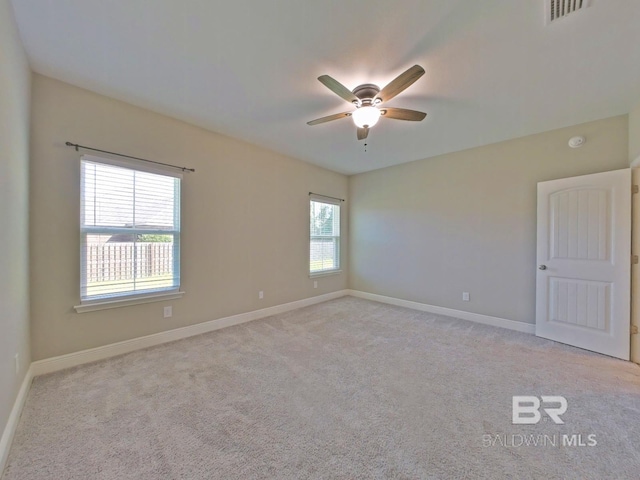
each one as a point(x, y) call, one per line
point(325, 274)
point(125, 302)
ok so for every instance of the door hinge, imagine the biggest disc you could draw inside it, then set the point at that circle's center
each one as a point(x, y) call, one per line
point(634, 329)
point(635, 189)
point(634, 259)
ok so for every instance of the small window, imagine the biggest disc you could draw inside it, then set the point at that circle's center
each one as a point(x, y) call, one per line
point(324, 251)
point(130, 231)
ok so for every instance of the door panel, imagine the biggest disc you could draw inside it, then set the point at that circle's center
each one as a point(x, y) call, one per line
point(580, 227)
point(584, 250)
point(580, 303)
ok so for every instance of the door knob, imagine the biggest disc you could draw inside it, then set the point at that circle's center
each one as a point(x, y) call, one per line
point(542, 267)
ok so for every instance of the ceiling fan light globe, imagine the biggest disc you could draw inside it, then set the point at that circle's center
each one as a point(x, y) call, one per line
point(366, 117)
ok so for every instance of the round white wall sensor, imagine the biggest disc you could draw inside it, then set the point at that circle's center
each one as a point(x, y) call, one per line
point(575, 142)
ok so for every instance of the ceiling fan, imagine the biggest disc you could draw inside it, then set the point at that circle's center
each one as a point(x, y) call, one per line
point(367, 99)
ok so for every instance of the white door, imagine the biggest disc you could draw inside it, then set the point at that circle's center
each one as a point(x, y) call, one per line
point(583, 287)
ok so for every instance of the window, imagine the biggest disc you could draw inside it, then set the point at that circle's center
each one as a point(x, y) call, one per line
point(324, 251)
point(130, 230)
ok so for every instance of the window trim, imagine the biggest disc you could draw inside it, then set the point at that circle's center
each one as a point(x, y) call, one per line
point(325, 273)
point(136, 299)
point(333, 271)
point(144, 296)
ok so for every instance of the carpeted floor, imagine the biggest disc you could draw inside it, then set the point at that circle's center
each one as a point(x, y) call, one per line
point(345, 389)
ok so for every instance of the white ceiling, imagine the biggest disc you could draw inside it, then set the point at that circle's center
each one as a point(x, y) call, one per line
point(248, 68)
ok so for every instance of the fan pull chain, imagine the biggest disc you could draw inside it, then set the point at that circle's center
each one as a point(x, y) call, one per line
point(365, 147)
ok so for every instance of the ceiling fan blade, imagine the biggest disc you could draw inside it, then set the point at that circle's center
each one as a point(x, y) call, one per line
point(402, 114)
point(328, 118)
point(401, 82)
point(362, 133)
point(339, 89)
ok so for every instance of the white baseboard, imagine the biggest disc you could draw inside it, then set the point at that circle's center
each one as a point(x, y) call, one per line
point(450, 312)
point(12, 422)
point(54, 364)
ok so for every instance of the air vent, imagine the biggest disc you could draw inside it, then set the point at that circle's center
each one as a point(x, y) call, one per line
point(557, 9)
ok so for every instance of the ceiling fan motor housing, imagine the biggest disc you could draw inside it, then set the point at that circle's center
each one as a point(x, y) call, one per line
point(366, 93)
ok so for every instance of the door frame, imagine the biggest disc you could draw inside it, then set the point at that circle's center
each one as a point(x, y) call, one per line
point(635, 268)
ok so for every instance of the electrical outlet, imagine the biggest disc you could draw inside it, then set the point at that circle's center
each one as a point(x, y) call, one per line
point(260, 294)
point(16, 358)
point(315, 284)
point(168, 312)
point(465, 296)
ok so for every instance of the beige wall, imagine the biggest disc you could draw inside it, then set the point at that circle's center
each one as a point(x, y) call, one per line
point(245, 220)
point(428, 230)
point(14, 211)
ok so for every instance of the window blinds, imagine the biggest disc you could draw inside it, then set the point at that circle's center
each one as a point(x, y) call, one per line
point(130, 230)
point(324, 245)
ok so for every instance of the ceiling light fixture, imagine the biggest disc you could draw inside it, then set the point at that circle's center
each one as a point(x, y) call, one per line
point(366, 117)
point(368, 97)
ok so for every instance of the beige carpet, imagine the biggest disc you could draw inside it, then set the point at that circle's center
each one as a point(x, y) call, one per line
point(345, 389)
